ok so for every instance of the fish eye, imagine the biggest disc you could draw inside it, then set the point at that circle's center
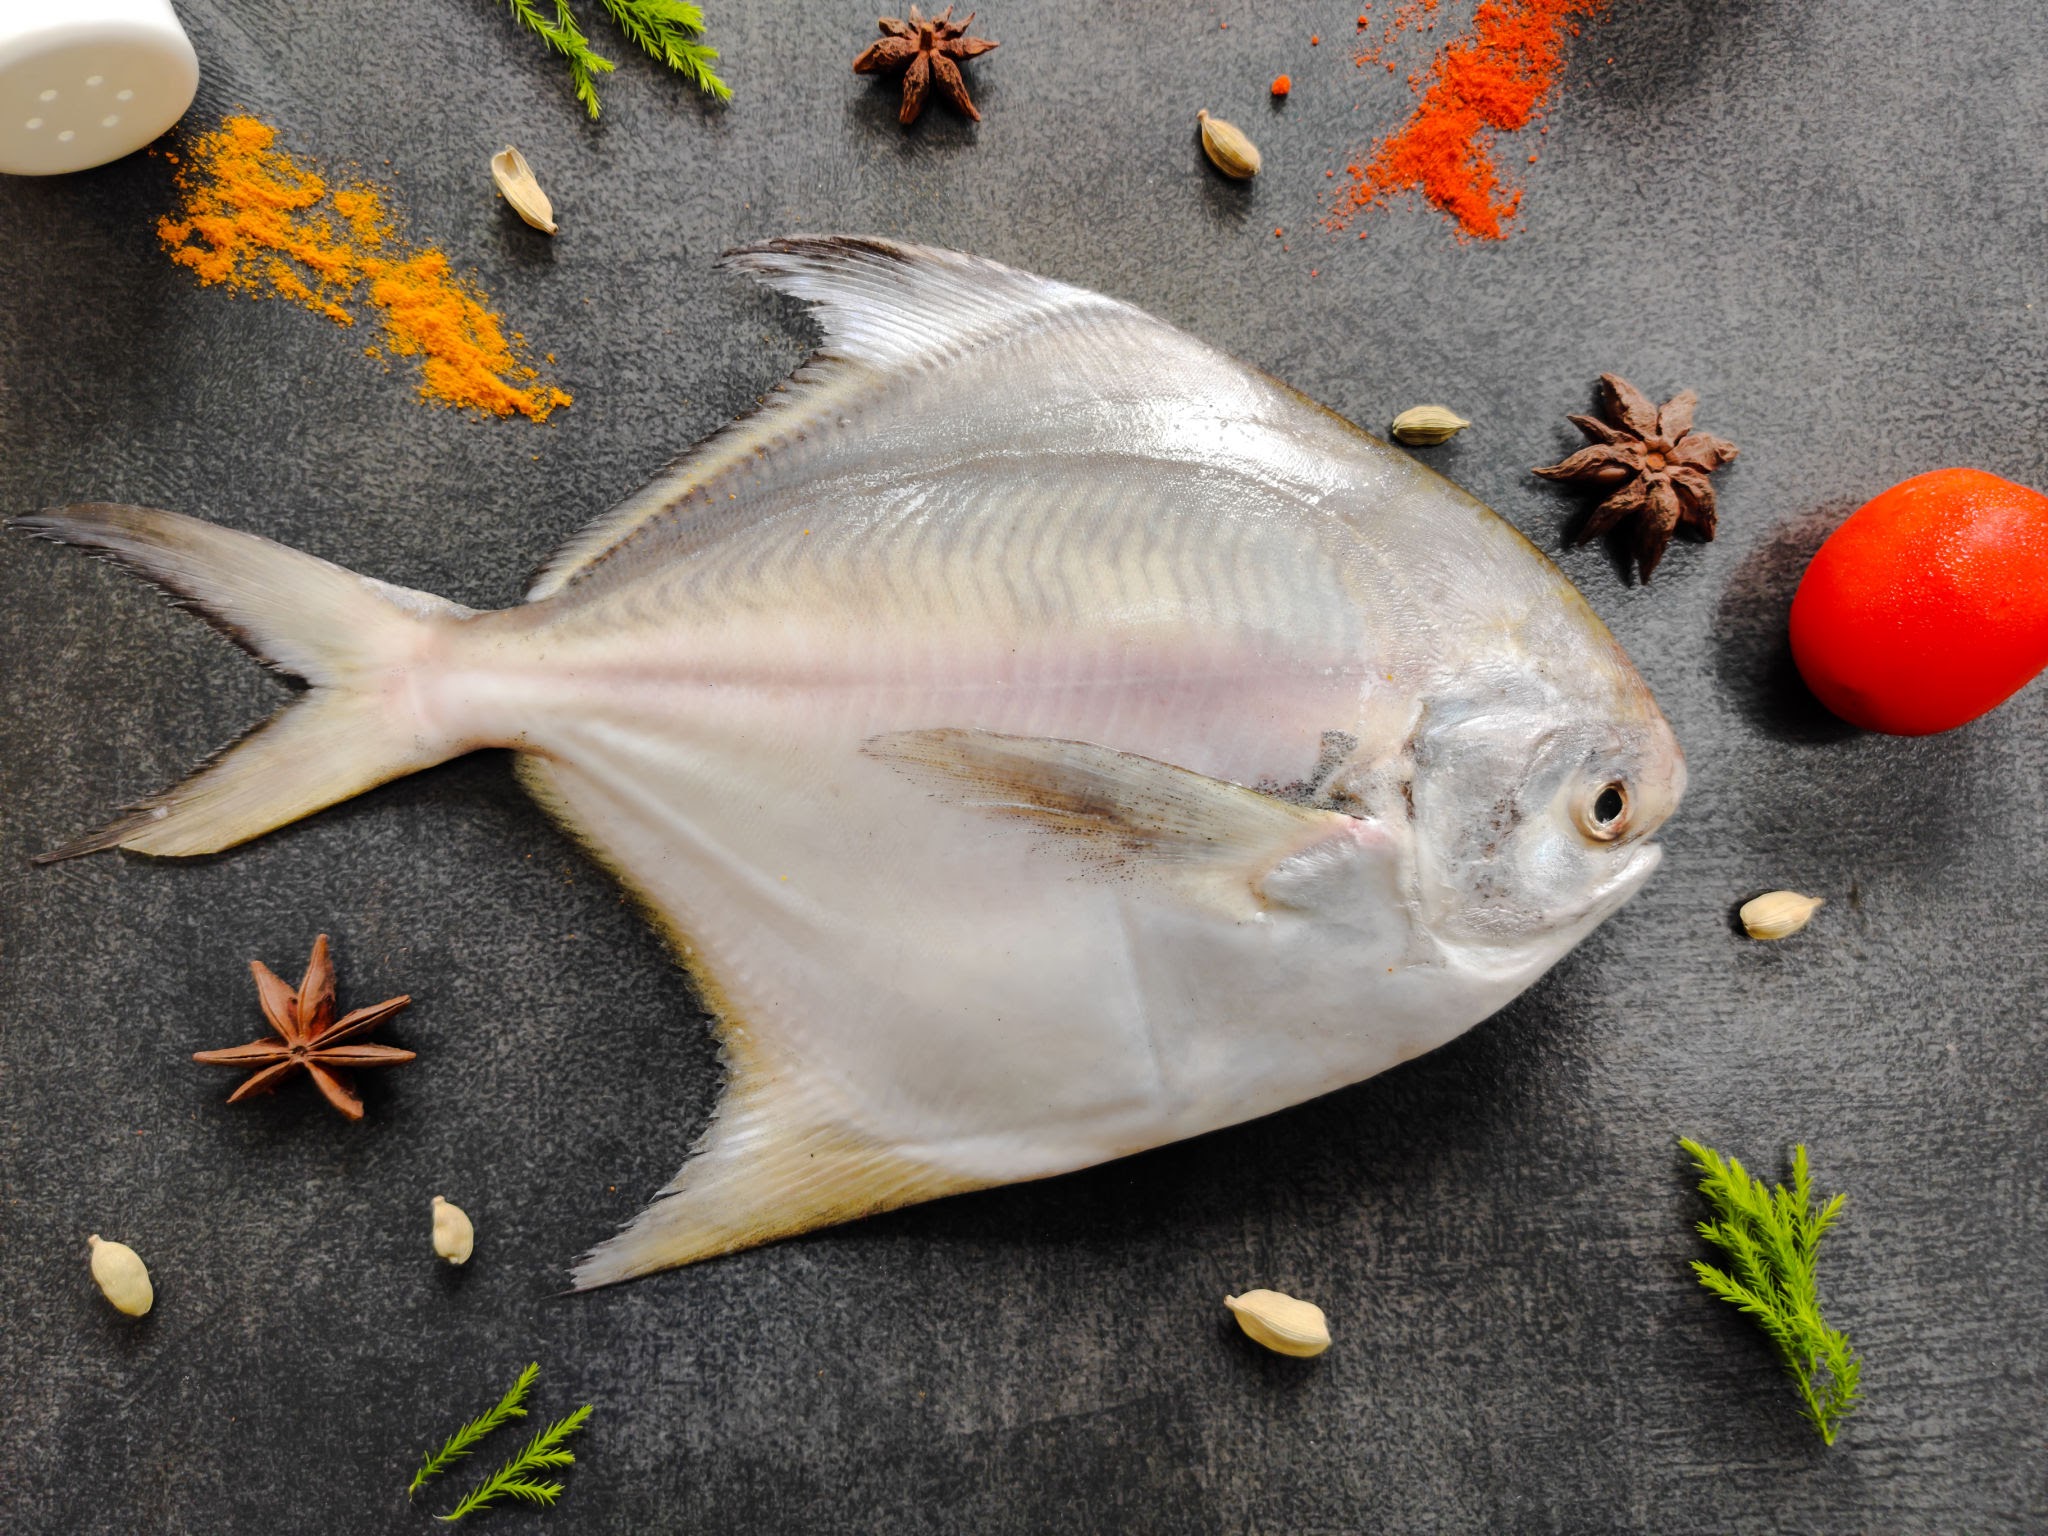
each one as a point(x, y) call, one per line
point(1605, 817)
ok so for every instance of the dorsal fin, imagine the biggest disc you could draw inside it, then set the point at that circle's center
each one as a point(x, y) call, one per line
point(885, 308)
point(889, 305)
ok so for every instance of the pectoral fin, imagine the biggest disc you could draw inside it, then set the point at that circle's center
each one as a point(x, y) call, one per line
point(1126, 814)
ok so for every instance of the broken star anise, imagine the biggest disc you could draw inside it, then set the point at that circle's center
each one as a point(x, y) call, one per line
point(309, 1035)
point(1656, 462)
point(925, 49)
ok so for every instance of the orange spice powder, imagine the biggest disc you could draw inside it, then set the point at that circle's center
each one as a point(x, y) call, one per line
point(267, 223)
point(1491, 79)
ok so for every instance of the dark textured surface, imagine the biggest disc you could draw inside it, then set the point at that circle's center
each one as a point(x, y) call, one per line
point(1828, 219)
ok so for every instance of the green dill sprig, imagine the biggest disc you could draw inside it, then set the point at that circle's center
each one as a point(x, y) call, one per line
point(514, 1480)
point(567, 39)
point(1773, 1236)
point(464, 1439)
point(666, 29)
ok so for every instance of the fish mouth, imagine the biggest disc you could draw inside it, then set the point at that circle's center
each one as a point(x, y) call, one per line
point(1609, 896)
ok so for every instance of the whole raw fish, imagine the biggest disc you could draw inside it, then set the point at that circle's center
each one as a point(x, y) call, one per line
point(1042, 737)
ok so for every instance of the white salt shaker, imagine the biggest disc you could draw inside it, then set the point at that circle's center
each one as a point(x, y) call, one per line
point(83, 82)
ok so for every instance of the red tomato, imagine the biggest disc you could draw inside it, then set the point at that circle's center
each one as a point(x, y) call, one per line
point(1929, 606)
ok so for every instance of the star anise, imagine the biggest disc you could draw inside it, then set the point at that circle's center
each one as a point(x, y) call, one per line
point(309, 1035)
point(1657, 462)
point(925, 50)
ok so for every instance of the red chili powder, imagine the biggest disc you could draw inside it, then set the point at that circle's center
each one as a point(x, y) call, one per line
point(1409, 16)
point(1491, 79)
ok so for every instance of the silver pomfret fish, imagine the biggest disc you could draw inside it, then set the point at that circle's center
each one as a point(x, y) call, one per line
point(1042, 736)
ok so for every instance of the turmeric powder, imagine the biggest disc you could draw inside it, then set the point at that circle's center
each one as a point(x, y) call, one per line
point(265, 222)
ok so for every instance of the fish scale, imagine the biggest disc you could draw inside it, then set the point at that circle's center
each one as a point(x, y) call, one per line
point(996, 573)
point(932, 712)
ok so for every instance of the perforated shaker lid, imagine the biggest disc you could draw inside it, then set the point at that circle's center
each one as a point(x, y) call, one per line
point(83, 82)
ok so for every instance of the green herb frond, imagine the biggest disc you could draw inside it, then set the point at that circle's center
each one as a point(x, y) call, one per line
point(464, 1439)
point(566, 38)
point(1772, 1237)
point(666, 29)
point(513, 1480)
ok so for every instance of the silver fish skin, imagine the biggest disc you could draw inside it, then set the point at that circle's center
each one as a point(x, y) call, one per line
point(1042, 736)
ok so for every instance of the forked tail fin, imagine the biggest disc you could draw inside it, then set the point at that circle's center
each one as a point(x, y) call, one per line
point(349, 636)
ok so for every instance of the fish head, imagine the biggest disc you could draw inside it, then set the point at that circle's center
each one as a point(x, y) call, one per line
point(1537, 790)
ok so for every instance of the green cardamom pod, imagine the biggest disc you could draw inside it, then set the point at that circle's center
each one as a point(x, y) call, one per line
point(1227, 147)
point(1424, 426)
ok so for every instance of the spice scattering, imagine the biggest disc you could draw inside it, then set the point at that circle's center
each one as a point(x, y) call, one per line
point(1284, 1324)
point(925, 49)
point(1425, 426)
point(309, 1036)
point(1654, 463)
point(1228, 147)
point(454, 1232)
point(121, 1275)
point(520, 188)
point(1492, 78)
point(1778, 914)
point(261, 221)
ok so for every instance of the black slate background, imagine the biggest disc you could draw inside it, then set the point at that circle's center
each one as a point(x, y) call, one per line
point(1828, 219)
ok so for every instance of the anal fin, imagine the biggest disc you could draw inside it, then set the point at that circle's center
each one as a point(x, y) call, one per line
point(776, 1160)
point(765, 1170)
